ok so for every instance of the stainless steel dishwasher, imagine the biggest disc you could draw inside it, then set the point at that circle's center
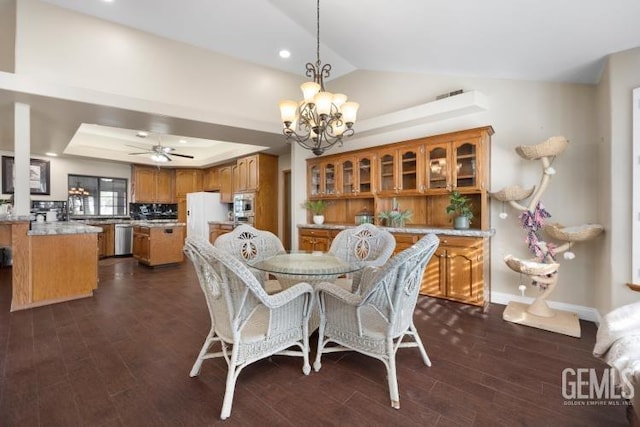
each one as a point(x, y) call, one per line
point(123, 239)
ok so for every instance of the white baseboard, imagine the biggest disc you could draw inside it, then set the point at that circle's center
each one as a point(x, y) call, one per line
point(584, 313)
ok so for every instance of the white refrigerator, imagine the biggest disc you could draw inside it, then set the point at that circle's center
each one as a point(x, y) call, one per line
point(201, 208)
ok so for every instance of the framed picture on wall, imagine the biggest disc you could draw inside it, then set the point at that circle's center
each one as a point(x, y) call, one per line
point(39, 176)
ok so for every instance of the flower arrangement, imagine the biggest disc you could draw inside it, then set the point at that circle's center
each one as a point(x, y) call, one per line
point(395, 218)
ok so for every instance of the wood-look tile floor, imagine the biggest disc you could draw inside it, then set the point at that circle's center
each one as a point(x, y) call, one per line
point(122, 358)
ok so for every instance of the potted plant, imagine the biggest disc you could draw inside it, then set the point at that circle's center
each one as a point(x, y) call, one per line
point(395, 218)
point(460, 207)
point(317, 208)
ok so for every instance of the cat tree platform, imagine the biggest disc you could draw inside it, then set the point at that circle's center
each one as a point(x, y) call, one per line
point(538, 314)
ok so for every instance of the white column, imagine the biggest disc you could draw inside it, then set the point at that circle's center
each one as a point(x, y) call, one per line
point(21, 166)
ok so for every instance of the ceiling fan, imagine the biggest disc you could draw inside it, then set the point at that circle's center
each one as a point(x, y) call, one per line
point(159, 152)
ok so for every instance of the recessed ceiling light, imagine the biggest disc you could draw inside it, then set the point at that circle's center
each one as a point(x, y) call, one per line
point(284, 53)
point(51, 154)
point(108, 1)
point(142, 134)
point(183, 141)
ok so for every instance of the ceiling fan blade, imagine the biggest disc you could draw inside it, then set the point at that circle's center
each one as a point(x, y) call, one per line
point(139, 148)
point(144, 152)
point(181, 155)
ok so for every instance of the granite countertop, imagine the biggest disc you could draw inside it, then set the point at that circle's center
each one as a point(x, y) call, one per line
point(154, 224)
point(419, 229)
point(224, 222)
point(6, 219)
point(51, 228)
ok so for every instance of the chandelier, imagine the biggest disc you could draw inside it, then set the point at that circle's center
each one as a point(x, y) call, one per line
point(322, 119)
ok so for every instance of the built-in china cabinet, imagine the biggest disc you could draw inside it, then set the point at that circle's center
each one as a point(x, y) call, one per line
point(416, 175)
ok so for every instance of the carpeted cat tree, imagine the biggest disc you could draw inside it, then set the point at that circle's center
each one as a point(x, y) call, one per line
point(543, 268)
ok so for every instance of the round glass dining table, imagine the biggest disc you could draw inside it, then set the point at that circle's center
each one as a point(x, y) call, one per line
point(311, 267)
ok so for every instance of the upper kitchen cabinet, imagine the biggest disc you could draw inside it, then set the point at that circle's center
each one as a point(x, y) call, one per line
point(226, 183)
point(355, 176)
point(152, 185)
point(323, 178)
point(211, 179)
point(251, 170)
point(188, 181)
point(400, 170)
point(461, 164)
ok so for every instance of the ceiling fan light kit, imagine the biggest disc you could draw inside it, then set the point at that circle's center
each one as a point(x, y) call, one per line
point(159, 153)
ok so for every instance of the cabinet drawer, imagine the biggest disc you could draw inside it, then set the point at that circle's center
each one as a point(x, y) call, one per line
point(142, 230)
point(462, 242)
point(309, 232)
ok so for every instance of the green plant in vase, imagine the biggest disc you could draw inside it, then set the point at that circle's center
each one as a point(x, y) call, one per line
point(460, 207)
point(317, 208)
point(395, 218)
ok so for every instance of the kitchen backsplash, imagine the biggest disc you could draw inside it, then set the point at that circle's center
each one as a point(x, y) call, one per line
point(153, 210)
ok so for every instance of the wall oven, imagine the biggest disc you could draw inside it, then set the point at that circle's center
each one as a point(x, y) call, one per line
point(244, 207)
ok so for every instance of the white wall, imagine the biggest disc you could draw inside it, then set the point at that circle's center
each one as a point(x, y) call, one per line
point(615, 118)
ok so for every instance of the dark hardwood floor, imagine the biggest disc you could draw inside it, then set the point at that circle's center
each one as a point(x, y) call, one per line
point(122, 358)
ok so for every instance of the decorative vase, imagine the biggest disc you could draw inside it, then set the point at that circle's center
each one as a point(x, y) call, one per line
point(461, 222)
point(318, 219)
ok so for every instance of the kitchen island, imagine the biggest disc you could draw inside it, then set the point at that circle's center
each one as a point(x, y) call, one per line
point(158, 243)
point(52, 262)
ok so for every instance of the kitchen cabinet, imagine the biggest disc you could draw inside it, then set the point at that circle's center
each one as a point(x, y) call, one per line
point(312, 239)
point(417, 173)
point(251, 170)
point(322, 179)
point(355, 176)
point(152, 185)
point(455, 165)
point(188, 181)
point(158, 245)
point(106, 240)
point(226, 183)
point(211, 179)
point(217, 230)
point(399, 171)
point(457, 270)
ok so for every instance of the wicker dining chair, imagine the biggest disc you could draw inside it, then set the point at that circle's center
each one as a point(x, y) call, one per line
point(249, 245)
point(364, 245)
point(247, 323)
point(375, 321)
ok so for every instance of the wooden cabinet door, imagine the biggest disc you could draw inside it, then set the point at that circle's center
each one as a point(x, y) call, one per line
point(164, 186)
point(144, 184)
point(102, 250)
point(434, 280)
point(141, 244)
point(253, 172)
point(188, 181)
point(226, 184)
point(243, 175)
point(387, 169)
point(409, 171)
point(211, 180)
point(464, 282)
point(364, 176)
point(182, 209)
point(235, 179)
point(329, 172)
point(467, 165)
point(346, 177)
point(217, 230)
point(314, 180)
point(438, 168)
point(314, 240)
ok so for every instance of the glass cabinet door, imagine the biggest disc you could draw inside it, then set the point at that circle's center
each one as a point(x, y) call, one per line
point(408, 171)
point(437, 168)
point(364, 175)
point(466, 161)
point(386, 172)
point(329, 179)
point(348, 183)
point(314, 181)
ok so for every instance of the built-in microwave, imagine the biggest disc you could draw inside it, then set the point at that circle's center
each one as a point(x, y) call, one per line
point(244, 206)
